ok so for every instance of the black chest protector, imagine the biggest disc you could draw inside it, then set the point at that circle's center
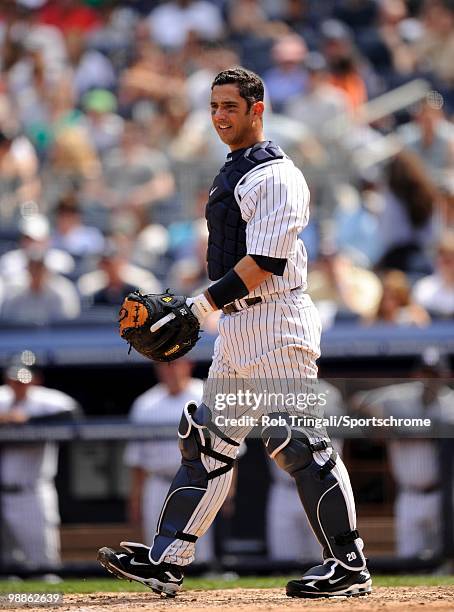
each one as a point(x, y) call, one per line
point(226, 228)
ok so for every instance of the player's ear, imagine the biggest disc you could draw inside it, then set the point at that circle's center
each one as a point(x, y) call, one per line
point(258, 109)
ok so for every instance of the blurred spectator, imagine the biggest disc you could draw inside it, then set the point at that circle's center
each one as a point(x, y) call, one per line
point(151, 76)
point(151, 247)
point(252, 32)
point(73, 162)
point(430, 136)
point(103, 123)
point(116, 36)
point(396, 304)
point(447, 201)
point(383, 34)
point(91, 68)
point(393, 51)
point(136, 176)
point(19, 179)
point(414, 462)
point(287, 76)
point(39, 98)
point(114, 278)
point(29, 34)
point(172, 23)
point(43, 298)
point(34, 234)
point(261, 17)
point(406, 221)
point(70, 15)
point(211, 59)
point(30, 537)
point(304, 17)
point(320, 101)
point(164, 126)
point(357, 14)
point(247, 18)
point(342, 62)
point(436, 48)
point(153, 463)
point(340, 288)
point(435, 292)
point(356, 221)
point(189, 273)
point(71, 234)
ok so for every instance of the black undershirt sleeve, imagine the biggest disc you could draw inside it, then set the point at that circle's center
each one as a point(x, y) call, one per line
point(275, 265)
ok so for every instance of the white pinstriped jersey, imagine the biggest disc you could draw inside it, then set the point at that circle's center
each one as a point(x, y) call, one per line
point(274, 202)
point(25, 465)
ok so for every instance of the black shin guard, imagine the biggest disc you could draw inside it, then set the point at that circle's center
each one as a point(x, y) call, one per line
point(191, 481)
point(320, 493)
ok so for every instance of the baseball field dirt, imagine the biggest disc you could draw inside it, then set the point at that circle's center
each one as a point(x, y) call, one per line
point(439, 598)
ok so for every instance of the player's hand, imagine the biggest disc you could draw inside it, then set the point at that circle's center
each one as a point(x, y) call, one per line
point(200, 306)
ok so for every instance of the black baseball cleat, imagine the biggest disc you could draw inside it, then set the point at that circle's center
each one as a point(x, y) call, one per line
point(331, 580)
point(164, 579)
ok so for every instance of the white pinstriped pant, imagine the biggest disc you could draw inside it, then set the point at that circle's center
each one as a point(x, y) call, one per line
point(30, 526)
point(278, 339)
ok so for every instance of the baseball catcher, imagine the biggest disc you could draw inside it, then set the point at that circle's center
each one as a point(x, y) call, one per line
point(269, 329)
point(162, 327)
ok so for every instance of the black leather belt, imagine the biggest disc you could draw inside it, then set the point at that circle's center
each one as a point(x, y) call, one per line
point(232, 307)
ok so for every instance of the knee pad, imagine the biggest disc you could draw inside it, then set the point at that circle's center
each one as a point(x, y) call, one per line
point(323, 500)
point(288, 451)
point(194, 434)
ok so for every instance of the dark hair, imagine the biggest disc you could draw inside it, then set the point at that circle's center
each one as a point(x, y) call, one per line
point(249, 84)
point(410, 182)
point(68, 203)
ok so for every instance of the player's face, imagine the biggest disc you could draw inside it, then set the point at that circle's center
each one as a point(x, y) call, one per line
point(175, 375)
point(236, 126)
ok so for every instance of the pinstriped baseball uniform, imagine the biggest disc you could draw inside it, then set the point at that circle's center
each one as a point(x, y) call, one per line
point(414, 463)
point(278, 338)
point(29, 501)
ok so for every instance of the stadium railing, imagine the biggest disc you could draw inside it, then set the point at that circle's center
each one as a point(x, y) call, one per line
point(108, 431)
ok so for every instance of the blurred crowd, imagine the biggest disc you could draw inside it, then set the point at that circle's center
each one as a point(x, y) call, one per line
point(107, 151)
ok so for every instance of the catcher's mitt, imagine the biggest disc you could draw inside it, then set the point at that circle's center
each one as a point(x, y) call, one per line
point(161, 327)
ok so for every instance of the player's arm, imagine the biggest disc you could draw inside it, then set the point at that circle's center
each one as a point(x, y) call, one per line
point(250, 276)
point(246, 276)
